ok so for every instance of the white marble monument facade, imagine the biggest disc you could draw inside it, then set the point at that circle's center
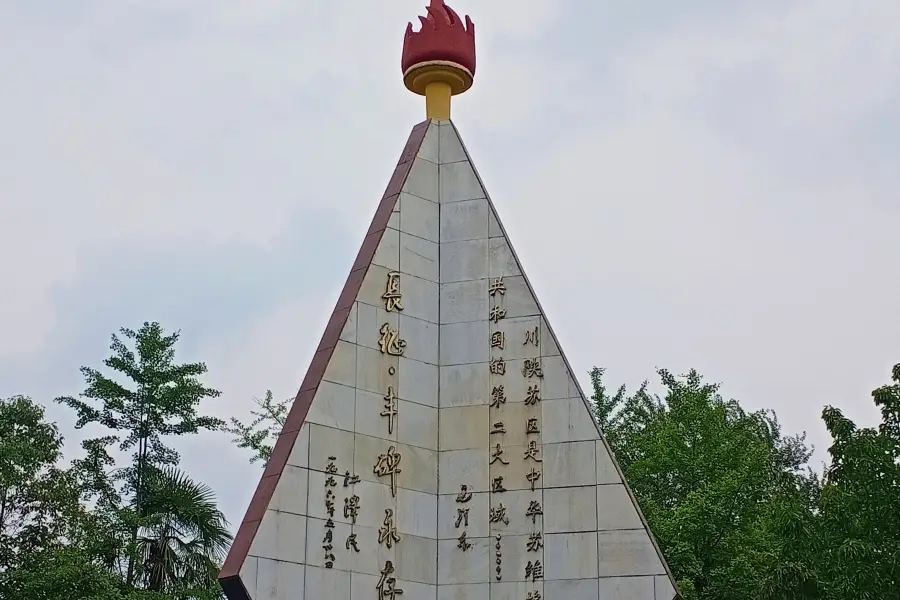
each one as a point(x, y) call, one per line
point(439, 448)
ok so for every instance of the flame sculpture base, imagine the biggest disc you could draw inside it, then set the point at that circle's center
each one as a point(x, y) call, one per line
point(437, 81)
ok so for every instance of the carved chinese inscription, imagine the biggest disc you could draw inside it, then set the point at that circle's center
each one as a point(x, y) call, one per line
point(498, 514)
point(498, 558)
point(531, 336)
point(534, 511)
point(388, 465)
point(464, 494)
point(387, 585)
point(462, 517)
point(462, 543)
point(497, 455)
point(532, 476)
point(535, 542)
point(327, 544)
point(387, 533)
point(498, 366)
point(531, 426)
point(391, 295)
point(390, 408)
point(533, 595)
point(497, 485)
point(498, 396)
point(498, 340)
point(498, 427)
point(497, 287)
point(532, 452)
point(351, 542)
point(328, 540)
point(534, 571)
point(390, 342)
point(532, 368)
point(533, 395)
point(497, 313)
point(350, 479)
point(351, 508)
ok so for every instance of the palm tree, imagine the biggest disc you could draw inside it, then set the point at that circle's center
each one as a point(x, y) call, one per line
point(183, 538)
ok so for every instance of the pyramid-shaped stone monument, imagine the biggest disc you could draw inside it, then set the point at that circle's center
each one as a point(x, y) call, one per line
point(439, 447)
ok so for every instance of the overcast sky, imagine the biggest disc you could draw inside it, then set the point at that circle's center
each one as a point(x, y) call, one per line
point(687, 185)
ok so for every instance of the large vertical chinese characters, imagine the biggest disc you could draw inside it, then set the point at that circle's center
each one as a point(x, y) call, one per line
point(387, 465)
point(499, 457)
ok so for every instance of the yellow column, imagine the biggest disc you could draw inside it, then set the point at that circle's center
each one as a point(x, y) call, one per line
point(437, 100)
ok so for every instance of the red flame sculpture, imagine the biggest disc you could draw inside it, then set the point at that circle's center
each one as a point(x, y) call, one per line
point(443, 39)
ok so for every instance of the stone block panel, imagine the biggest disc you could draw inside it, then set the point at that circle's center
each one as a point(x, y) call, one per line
point(624, 553)
point(419, 217)
point(569, 464)
point(570, 556)
point(567, 420)
point(583, 589)
point(417, 514)
point(470, 591)
point(627, 588)
point(472, 566)
point(664, 588)
point(463, 301)
point(418, 382)
point(459, 182)
point(419, 257)
point(464, 427)
point(421, 338)
point(417, 425)
point(465, 385)
point(464, 343)
point(464, 261)
point(451, 148)
point(570, 510)
point(327, 442)
point(280, 537)
point(615, 509)
point(326, 583)
point(423, 180)
point(463, 467)
point(465, 220)
point(333, 406)
point(517, 590)
point(277, 580)
point(417, 559)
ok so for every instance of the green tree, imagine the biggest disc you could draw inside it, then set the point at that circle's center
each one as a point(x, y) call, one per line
point(849, 546)
point(49, 540)
point(260, 434)
point(708, 476)
point(38, 500)
point(159, 400)
point(184, 537)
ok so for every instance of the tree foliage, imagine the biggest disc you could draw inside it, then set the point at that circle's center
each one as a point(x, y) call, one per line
point(735, 507)
point(260, 434)
point(849, 546)
point(98, 531)
point(161, 401)
point(730, 497)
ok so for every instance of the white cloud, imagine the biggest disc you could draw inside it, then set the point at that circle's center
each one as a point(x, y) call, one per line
point(698, 249)
point(144, 122)
point(655, 233)
point(657, 239)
